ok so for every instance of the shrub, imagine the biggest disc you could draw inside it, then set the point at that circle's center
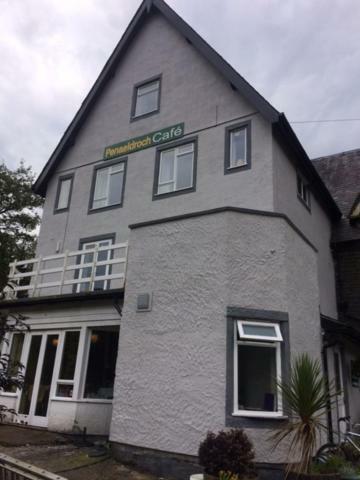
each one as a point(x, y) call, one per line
point(229, 451)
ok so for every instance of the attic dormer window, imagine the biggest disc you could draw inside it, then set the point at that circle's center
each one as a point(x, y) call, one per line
point(146, 99)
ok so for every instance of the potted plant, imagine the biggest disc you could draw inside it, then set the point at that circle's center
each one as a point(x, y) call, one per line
point(227, 455)
point(307, 398)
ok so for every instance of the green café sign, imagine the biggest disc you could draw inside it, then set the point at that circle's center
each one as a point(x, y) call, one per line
point(145, 141)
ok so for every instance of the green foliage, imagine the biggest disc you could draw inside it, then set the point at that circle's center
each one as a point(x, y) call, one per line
point(227, 476)
point(19, 217)
point(333, 464)
point(227, 451)
point(307, 398)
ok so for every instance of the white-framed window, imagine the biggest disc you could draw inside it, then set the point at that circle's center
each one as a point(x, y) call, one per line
point(176, 169)
point(257, 369)
point(101, 363)
point(108, 186)
point(237, 147)
point(65, 382)
point(146, 98)
point(90, 271)
point(63, 193)
point(303, 190)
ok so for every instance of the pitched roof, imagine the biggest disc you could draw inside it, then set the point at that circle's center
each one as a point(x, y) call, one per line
point(281, 126)
point(341, 174)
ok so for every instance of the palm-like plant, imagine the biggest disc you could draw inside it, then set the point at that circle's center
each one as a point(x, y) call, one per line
point(306, 396)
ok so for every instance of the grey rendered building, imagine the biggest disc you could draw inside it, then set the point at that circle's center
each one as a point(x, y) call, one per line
point(180, 205)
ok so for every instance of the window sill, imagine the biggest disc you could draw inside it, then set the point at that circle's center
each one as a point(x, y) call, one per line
point(158, 196)
point(261, 415)
point(8, 394)
point(134, 118)
point(103, 209)
point(82, 400)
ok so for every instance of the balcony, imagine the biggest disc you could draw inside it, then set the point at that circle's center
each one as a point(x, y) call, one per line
point(92, 269)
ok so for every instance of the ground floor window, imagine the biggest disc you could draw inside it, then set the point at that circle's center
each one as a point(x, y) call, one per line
point(103, 347)
point(65, 383)
point(257, 368)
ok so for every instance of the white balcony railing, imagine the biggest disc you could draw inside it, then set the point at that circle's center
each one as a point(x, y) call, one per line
point(69, 272)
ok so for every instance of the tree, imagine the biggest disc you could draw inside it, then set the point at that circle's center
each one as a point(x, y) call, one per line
point(11, 370)
point(19, 217)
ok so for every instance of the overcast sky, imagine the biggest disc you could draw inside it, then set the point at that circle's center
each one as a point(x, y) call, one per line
point(302, 55)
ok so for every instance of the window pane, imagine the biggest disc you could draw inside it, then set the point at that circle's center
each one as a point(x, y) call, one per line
point(238, 148)
point(15, 356)
point(46, 375)
point(101, 188)
point(69, 355)
point(31, 366)
point(101, 365)
point(184, 174)
point(257, 378)
point(115, 188)
point(64, 390)
point(64, 194)
point(147, 98)
point(260, 330)
point(166, 173)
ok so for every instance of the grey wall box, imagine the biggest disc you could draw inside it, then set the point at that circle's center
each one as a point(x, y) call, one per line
point(143, 302)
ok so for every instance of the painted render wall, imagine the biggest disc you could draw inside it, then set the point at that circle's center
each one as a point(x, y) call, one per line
point(191, 92)
point(315, 225)
point(170, 382)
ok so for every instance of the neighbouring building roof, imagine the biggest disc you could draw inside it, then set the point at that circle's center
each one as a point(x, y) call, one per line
point(281, 127)
point(341, 174)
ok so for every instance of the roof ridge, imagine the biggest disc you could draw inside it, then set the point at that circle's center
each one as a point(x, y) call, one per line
point(344, 152)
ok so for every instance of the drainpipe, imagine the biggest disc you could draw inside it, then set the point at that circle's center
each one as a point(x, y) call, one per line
point(326, 372)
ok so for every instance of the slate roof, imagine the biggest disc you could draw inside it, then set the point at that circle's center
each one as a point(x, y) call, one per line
point(281, 127)
point(341, 174)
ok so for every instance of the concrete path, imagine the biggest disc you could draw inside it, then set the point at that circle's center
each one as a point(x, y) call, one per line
point(57, 454)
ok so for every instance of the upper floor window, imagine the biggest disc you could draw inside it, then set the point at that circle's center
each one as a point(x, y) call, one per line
point(108, 185)
point(175, 169)
point(237, 147)
point(146, 99)
point(94, 251)
point(303, 191)
point(257, 368)
point(63, 193)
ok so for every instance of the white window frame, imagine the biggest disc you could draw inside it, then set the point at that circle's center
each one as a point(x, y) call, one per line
point(138, 94)
point(111, 170)
point(231, 148)
point(62, 381)
point(261, 338)
point(173, 181)
point(95, 258)
point(265, 344)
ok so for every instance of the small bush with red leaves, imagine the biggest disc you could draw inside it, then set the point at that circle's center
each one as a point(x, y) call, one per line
point(228, 451)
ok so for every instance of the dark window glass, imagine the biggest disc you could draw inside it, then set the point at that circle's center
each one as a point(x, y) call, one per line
point(101, 365)
point(257, 378)
point(14, 357)
point(46, 375)
point(69, 355)
point(31, 366)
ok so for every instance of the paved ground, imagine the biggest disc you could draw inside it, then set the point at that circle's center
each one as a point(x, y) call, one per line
point(59, 454)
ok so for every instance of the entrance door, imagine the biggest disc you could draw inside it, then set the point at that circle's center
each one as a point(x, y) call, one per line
point(35, 395)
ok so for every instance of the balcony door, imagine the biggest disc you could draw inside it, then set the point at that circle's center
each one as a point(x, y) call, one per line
point(40, 356)
point(90, 258)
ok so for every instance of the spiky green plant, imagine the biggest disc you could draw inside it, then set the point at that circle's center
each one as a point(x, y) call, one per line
point(227, 476)
point(306, 397)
